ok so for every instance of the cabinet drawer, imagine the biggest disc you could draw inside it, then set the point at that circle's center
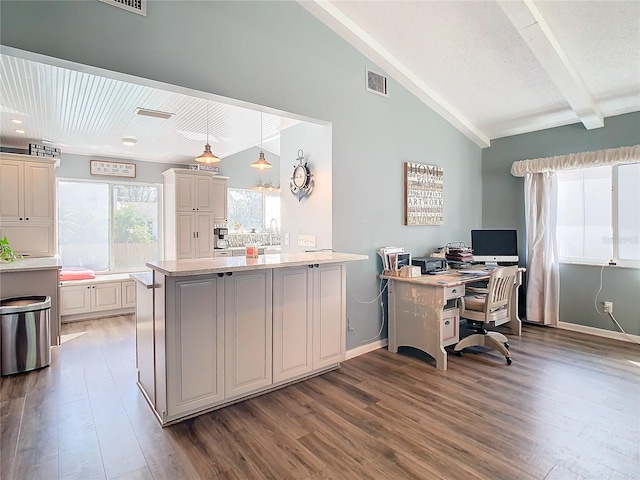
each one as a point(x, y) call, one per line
point(454, 292)
point(450, 326)
point(225, 253)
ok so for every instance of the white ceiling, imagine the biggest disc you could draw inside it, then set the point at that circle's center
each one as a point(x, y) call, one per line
point(88, 114)
point(495, 69)
point(491, 69)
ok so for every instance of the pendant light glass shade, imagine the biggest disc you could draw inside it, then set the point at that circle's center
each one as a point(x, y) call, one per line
point(261, 163)
point(207, 156)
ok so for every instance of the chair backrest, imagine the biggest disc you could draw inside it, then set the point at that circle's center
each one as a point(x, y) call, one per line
point(499, 293)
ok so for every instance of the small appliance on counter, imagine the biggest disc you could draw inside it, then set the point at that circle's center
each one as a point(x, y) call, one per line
point(428, 265)
point(219, 240)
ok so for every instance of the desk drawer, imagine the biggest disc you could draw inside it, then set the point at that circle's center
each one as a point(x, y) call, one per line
point(454, 292)
point(450, 326)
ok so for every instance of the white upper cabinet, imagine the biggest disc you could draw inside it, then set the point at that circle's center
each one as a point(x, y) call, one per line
point(27, 203)
point(194, 202)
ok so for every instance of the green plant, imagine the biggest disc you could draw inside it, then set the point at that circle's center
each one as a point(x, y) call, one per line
point(6, 253)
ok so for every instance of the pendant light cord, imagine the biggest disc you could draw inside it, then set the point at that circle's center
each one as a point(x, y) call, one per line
point(207, 122)
point(260, 131)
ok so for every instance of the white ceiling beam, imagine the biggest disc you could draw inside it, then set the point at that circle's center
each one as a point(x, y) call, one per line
point(534, 30)
point(331, 16)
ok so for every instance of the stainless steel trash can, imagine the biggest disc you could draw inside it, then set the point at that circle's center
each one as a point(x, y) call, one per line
point(25, 342)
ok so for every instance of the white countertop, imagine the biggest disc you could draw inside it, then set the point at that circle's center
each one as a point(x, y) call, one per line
point(206, 266)
point(44, 263)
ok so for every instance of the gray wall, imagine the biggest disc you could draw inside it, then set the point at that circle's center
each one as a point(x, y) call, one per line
point(277, 55)
point(503, 206)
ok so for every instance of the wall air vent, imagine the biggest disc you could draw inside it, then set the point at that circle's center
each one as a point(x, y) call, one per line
point(135, 6)
point(145, 112)
point(376, 83)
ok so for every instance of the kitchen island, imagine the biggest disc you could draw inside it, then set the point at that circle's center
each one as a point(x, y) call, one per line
point(225, 329)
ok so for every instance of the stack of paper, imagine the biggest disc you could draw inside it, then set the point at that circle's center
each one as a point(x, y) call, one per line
point(388, 255)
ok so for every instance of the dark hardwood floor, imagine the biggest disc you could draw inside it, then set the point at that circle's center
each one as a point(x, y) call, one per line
point(568, 408)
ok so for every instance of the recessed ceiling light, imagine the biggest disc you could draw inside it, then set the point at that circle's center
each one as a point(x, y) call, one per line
point(130, 141)
point(15, 120)
point(19, 131)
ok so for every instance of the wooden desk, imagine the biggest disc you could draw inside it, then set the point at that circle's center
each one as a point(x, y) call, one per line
point(424, 313)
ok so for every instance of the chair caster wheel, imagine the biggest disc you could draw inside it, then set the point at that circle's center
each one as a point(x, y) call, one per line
point(509, 362)
point(506, 345)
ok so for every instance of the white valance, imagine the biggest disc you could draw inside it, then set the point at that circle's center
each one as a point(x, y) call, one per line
point(611, 156)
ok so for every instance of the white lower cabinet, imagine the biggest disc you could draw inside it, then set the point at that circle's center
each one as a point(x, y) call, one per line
point(96, 296)
point(309, 319)
point(247, 331)
point(292, 322)
point(195, 347)
point(90, 298)
point(223, 337)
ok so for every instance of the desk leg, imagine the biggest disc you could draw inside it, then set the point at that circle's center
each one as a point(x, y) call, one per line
point(514, 323)
point(391, 313)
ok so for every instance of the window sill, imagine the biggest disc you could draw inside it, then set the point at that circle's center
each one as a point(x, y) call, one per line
point(586, 263)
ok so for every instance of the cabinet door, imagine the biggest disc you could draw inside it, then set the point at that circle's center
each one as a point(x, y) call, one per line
point(38, 192)
point(203, 197)
point(11, 191)
point(75, 299)
point(185, 187)
point(128, 294)
point(248, 332)
point(30, 239)
point(106, 296)
point(292, 322)
point(195, 348)
point(186, 233)
point(204, 235)
point(219, 202)
point(329, 315)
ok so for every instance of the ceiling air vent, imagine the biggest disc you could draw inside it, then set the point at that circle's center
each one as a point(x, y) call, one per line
point(145, 112)
point(376, 83)
point(135, 6)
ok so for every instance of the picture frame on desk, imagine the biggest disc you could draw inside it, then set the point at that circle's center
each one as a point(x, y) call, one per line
point(402, 260)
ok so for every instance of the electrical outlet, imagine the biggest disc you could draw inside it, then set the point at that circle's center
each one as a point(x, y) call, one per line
point(286, 239)
point(306, 240)
point(608, 307)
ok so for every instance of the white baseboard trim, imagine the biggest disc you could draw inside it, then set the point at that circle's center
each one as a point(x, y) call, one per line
point(369, 347)
point(599, 332)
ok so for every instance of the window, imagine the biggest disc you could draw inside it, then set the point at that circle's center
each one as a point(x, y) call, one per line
point(108, 226)
point(252, 210)
point(598, 214)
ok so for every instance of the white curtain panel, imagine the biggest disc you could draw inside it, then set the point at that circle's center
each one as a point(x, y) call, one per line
point(543, 279)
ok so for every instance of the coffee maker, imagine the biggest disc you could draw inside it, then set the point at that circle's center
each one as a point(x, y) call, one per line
point(219, 240)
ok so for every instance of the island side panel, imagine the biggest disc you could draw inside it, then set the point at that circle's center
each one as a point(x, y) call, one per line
point(145, 355)
point(159, 326)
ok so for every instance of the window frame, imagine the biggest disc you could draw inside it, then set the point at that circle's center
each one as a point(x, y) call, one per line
point(112, 184)
point(265, 226)
point(614, 227)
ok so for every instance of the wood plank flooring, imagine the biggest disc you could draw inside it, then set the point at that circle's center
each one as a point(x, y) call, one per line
point(568, 408)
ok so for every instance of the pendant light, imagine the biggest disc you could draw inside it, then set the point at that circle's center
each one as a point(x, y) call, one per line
point(261, 162)
point(207, 156)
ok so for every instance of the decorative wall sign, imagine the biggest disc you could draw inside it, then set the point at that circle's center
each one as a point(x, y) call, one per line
point(423, 194)
point(43, 151)
point(113, 169)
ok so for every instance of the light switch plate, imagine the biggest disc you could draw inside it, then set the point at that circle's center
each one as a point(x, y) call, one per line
point(286, 239)
point(306, 240)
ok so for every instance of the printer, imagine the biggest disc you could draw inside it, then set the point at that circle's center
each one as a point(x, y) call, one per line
point(429, 264)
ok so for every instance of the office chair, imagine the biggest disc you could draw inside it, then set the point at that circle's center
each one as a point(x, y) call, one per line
point(490, 308)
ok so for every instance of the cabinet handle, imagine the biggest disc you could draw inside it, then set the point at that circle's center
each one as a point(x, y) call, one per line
point(20, 218)
point(194, 234)
point(197, 234)
point(310, 266)
point(221, 274)
point(89, 286)
point(229, 274)
point(27, 218)
point(317, 265)
point(447, 322)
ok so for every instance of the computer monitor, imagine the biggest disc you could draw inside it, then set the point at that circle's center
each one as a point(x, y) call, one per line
point(495, 247)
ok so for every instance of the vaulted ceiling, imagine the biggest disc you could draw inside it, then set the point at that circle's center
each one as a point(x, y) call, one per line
point(494, 69)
